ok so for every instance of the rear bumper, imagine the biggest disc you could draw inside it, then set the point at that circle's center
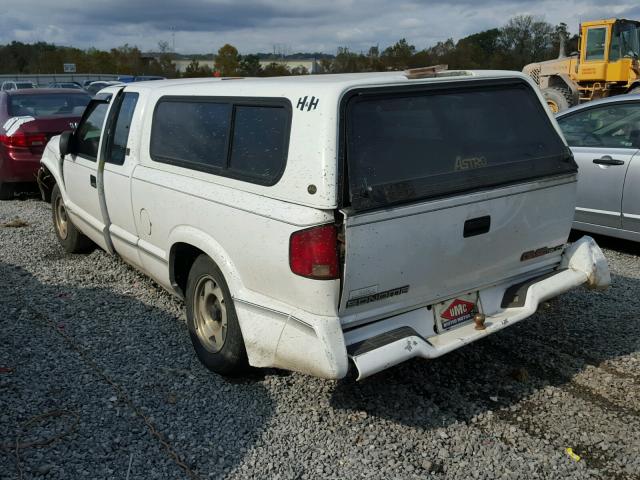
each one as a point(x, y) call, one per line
point(18, 170)
point(583, 263)
point(318, 345)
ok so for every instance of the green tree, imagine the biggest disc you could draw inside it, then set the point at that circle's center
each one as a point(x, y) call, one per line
point(250, 66)
point(374, 62)
point(526, 39)
point(299, 70)
point(275, 69)
point(325, 65)
point(194, 69)
point(164, 63)
point(128, 60)
point(227, 61)
point(347, 61)
point(398, 56)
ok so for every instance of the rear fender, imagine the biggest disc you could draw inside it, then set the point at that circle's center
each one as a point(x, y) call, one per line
point(202, 241)
point(261, 328)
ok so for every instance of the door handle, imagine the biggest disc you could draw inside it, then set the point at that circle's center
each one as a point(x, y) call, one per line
point(476, 226)
point(607, 160)
point(92, 180)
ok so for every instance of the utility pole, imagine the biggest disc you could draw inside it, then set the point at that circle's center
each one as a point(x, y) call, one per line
point(173, 39)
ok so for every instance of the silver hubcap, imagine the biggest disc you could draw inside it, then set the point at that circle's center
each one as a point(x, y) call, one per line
point(210, 314)
point(61, 218)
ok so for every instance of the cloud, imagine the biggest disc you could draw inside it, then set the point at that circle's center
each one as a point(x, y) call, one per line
point(202, 26)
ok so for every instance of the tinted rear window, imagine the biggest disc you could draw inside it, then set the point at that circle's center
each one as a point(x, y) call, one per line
point(45, 105)
point(410, 145)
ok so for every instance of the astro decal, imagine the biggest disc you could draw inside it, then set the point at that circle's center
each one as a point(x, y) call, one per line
point(458, 312)
point(306, 103)
point(470, 163)
point(394, 292)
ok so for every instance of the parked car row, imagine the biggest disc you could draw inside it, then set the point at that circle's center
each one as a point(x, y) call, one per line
point(312, 221)
point(28, 119)
point(11, 85)
point(91, 86)
point(29, 116)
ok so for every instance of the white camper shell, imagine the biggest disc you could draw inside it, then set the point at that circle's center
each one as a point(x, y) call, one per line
point(311, 220)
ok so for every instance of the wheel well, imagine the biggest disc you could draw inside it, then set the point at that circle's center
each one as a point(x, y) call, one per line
point(181, 260)
point(46, 182)
point(557, 82)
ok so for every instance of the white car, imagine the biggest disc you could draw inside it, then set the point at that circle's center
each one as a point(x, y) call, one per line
point(13, 85)
point(311, 220)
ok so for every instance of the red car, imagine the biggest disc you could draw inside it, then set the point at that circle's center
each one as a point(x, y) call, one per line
point(28, 118)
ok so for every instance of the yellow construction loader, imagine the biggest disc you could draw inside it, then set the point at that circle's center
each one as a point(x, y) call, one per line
point(607, 64)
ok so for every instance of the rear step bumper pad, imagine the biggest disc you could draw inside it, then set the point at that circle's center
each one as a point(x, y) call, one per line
point(583, 263)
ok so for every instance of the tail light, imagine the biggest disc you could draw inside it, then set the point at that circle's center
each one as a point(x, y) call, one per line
point(313, 253)
point(23, 140)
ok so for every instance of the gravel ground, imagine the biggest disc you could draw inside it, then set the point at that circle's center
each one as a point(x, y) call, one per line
point(97, 357)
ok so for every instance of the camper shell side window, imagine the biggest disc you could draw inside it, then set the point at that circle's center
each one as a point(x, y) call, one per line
point(242, 138)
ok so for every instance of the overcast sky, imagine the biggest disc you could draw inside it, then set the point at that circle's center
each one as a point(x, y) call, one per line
point(202, 26)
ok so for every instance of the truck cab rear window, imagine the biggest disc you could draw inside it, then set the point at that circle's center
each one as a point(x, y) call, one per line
point(404, 146)
point(243, 141)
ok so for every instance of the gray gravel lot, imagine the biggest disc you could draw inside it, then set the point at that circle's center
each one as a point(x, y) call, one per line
point(98, 355)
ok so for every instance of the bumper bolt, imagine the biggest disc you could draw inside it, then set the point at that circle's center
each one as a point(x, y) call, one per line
point(479, 320)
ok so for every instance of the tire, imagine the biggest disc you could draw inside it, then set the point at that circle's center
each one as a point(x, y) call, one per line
point(212, 320)
point(71, 239)
point(6, 191)
point(558, 99)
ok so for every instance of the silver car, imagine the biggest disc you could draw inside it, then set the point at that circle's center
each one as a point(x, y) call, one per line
point(605, 139)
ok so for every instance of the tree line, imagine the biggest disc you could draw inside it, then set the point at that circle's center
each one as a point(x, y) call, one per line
point(523, 39)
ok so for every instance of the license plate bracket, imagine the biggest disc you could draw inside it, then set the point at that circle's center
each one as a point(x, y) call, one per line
point(456, 311)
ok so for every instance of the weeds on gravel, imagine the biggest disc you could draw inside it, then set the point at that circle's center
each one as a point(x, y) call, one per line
point(17, 446)
point(15, 223)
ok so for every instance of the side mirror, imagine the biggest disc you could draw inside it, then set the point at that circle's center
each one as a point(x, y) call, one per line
point(66, 142)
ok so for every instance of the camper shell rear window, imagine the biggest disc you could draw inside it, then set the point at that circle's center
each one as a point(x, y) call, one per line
point(403, 144)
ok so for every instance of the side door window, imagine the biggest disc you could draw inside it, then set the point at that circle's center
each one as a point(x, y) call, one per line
point(596, 39)
point(609, 126)
point(87, 136)
point(117, 149)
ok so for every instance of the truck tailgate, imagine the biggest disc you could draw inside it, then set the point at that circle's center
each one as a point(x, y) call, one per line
point(417, 254)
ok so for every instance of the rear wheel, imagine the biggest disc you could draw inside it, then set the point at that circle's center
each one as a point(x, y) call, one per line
point(558, 99)
point(6, 191)
point(212, 321)
point(71, 239)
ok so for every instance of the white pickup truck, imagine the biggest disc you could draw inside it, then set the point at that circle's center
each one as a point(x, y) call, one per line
point(308, 221)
